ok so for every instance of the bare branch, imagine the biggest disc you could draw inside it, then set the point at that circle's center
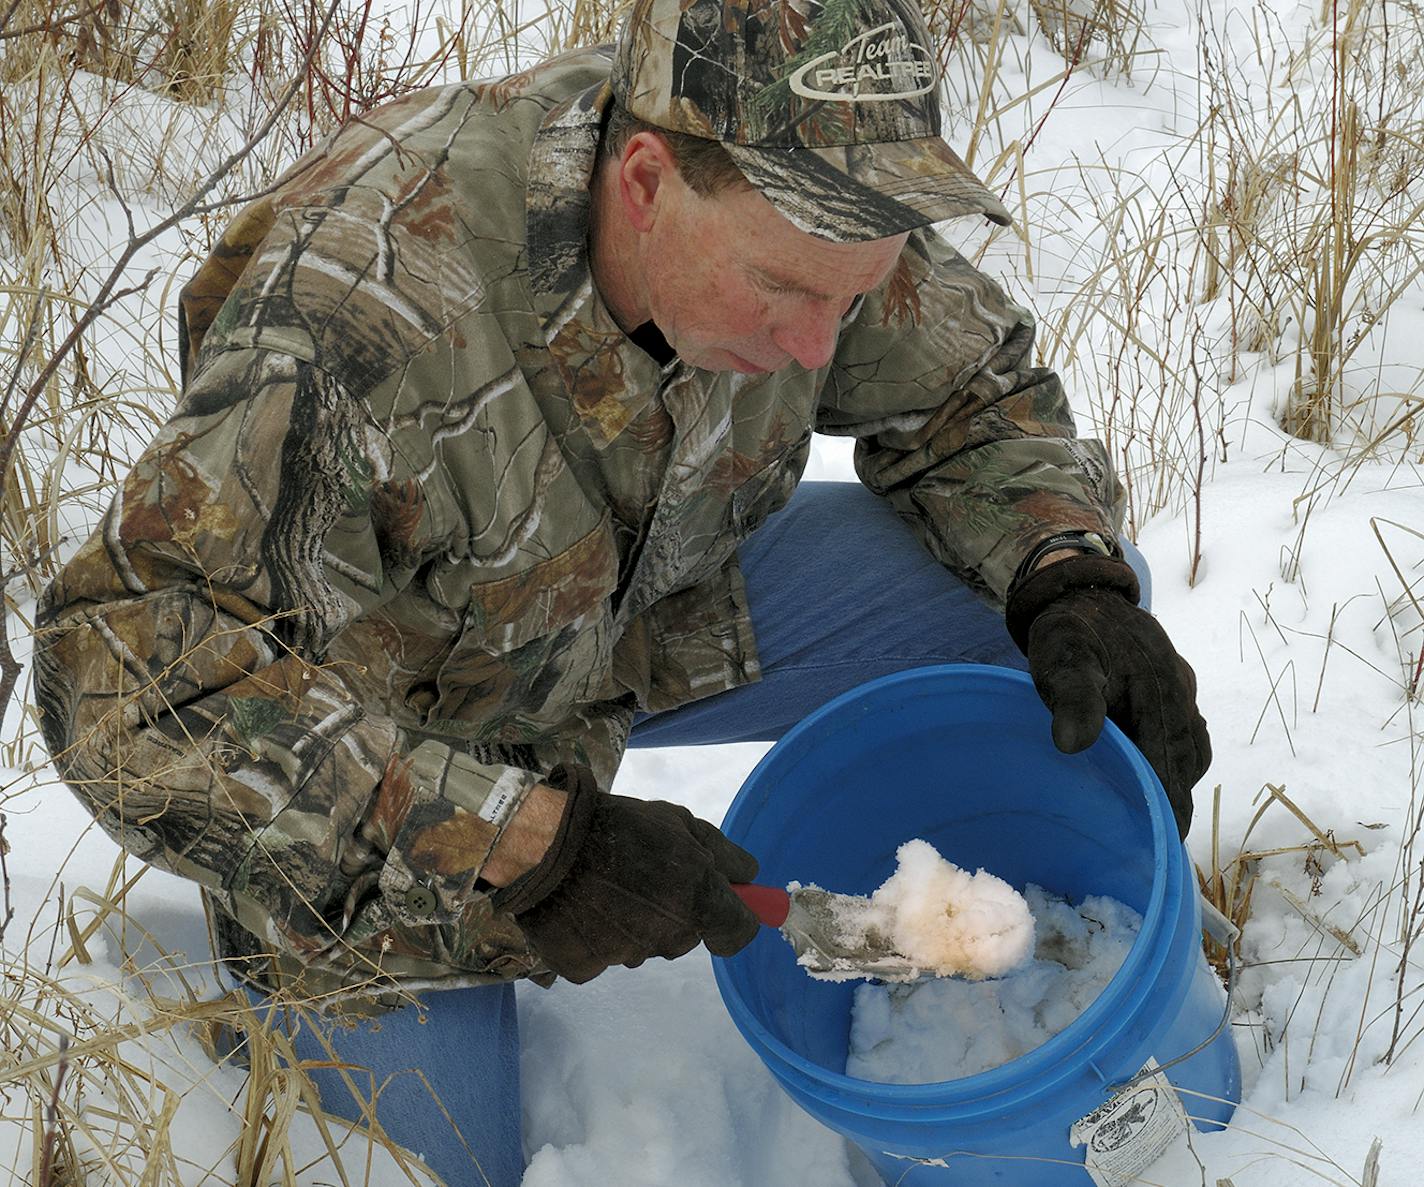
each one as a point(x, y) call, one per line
point(109, 292)
point(9, 665)
point(48, 26)
point(8, 905)
point(28, 344)
point(47, 1151)
point(5, 20)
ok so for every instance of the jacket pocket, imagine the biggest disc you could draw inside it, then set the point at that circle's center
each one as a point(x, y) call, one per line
point(532, 646)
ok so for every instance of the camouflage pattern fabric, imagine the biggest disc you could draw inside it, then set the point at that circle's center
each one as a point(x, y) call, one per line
point(426, 523)
point(830, 108)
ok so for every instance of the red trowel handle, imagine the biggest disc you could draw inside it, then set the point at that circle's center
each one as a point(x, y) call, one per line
point(770, 904)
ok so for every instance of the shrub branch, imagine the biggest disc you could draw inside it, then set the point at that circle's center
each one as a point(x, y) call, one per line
point(110, 292)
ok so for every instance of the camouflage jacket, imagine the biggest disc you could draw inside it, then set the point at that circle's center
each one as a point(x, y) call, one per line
point(425, 523)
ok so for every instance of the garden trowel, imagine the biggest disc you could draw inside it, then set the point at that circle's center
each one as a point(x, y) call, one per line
point(836, 937)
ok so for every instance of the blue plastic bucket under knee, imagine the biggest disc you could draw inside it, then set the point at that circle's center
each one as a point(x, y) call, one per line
point(962, 756)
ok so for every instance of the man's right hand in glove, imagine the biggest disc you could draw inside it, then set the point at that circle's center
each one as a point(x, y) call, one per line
point(625, 879)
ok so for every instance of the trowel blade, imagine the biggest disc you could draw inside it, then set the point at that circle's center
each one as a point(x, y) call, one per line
point(836, 937)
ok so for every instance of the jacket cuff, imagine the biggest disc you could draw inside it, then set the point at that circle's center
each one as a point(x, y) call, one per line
point(532, 888)
point(437, 815)
point(1034, 592)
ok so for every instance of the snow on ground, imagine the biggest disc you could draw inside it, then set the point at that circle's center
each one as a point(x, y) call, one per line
point(1299, 1020)
point(639, 1078)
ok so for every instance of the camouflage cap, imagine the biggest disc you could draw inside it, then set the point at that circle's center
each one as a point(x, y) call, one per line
point(830, 109)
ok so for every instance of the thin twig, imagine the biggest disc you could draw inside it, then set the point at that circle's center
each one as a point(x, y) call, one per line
point(50, 24)
point(5, 20)
point(109, 293)
point(9, 907)
point(52, 1117)
point(9, 665)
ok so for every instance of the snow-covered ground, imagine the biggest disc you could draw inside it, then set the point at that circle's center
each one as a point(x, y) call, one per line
point(1300, 629)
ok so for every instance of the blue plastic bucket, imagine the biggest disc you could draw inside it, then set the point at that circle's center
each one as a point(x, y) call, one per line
point(961, 755)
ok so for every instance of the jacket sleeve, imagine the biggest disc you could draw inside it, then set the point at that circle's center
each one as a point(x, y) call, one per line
point(973, 445)
point(187, 694)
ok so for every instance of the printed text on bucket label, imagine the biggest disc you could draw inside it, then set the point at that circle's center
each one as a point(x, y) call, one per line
point(1125, 1135)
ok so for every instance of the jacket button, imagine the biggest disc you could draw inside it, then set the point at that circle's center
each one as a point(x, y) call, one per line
point(420, 901)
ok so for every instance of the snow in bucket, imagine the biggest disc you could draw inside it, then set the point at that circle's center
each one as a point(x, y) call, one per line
point(961, 755)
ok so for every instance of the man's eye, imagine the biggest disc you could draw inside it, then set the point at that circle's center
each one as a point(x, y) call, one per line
point(767, 286)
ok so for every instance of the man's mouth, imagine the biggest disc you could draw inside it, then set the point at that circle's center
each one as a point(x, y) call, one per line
point(747, 366)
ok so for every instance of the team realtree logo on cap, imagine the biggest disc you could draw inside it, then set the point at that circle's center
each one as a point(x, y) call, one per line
point(855, 73)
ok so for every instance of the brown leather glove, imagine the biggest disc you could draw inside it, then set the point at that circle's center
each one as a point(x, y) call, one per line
point(1093, 651)
point(625, 879)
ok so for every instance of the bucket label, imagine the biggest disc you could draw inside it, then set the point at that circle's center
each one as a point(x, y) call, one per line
point(1129, 1132)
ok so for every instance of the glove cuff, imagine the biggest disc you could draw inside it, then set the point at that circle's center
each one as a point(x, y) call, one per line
point(533, 887)
point(1029, 597)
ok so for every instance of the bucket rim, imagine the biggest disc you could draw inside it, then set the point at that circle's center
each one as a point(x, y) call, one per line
point(1036, 1071)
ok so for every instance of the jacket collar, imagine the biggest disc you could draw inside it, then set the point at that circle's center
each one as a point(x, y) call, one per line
point(609, 379)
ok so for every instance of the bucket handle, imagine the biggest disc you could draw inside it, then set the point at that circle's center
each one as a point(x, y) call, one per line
point(1225, 933)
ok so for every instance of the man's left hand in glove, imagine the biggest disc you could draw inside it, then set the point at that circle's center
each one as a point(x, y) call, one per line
point(1092, 651)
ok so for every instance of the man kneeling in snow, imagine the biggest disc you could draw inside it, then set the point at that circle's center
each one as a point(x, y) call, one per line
point(482, 406)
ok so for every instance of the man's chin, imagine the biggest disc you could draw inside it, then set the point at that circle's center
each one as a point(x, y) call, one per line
point(744, 366)
point(719, 359)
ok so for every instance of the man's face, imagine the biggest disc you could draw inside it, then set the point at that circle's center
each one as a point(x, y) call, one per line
point(735, 286)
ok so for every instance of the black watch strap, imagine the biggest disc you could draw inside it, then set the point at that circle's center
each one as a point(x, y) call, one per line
point(1093, 543)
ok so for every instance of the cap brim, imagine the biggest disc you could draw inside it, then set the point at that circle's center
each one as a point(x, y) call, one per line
point(867, 191)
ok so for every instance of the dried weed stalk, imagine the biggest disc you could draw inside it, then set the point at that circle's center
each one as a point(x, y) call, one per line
point(80, 126)
point(101, 1107)
point(1231, 887)
point(1287, 229)
point(1114, 29)
point(1404, 613)
point(1305, 228)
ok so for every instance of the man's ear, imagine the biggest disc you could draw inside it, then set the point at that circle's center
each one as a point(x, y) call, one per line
point(646, 168)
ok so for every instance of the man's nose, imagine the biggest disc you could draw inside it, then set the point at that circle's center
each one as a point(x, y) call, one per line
point(810, 335)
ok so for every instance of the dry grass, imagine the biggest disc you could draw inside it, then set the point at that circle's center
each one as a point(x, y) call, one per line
point(1377, 934)
point(97, 1073)
point(987, 46)
point(1315, 218)
point(1286, 230)
point(1115, 29)
point(1231, 887)
point(1302, 238)
point(80, 135)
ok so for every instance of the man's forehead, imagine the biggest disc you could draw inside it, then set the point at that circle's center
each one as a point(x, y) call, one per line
point(760, 238)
